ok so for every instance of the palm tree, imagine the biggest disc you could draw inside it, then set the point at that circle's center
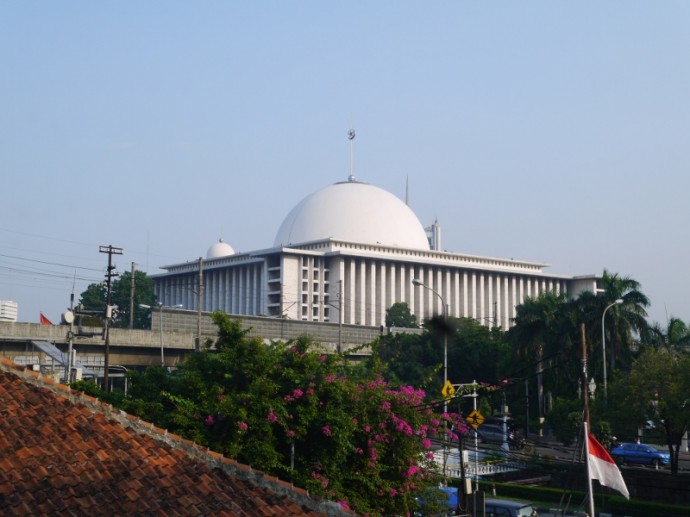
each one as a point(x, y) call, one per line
point(675, 336)
point(625, 321)
point(537, 333)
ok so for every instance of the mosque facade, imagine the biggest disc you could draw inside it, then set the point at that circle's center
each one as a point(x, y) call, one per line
point(345, 254)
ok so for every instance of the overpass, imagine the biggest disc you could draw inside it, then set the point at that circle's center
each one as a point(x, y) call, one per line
point(142, 348)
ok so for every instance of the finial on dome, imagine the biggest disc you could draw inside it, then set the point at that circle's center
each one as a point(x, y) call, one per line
point(351, 137)
point(219, 249)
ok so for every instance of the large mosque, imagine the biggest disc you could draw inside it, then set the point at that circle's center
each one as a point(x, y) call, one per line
point(345, 254)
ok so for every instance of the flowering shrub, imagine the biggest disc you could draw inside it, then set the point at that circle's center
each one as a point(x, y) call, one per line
point(353, 439)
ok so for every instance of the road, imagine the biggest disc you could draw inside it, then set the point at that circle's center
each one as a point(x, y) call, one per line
point(560, 452)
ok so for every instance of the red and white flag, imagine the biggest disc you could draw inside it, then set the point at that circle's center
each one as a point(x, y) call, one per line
point(603, 468)
point(43, 320)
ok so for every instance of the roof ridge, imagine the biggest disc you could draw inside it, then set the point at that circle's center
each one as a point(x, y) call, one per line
point(212, 459)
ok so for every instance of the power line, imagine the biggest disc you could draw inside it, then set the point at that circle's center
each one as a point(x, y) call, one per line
point(50, 263)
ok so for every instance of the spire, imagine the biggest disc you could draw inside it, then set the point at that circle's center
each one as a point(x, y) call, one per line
point(351, 137)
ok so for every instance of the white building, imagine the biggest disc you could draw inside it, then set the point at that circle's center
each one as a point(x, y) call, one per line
point(8, 310)
point(350, 251)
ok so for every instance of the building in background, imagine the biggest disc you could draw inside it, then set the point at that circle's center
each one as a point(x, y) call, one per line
point(8, 310)
point(345, 254)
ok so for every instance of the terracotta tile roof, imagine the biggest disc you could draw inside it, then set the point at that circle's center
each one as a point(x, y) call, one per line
point(66, 453)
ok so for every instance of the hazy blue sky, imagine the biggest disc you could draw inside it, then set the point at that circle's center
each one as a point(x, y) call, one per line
point(555, 132)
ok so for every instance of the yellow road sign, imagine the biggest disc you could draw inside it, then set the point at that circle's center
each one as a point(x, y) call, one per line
point(448, 390)
point(475, 419)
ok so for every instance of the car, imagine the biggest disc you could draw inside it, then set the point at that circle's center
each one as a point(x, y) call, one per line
point(508, 508)
point(446, 499)
point(493, 433)
point(641, 454)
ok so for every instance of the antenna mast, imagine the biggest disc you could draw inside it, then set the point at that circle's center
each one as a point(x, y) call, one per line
point(351, 137)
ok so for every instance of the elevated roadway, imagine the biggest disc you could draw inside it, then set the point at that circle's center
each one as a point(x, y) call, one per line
point(141, 348)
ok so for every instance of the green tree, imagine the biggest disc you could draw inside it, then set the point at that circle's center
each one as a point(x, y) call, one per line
point(676, 335)
point(94, 298)
point(143, 294)
point(542, 332)
point(475, 353)
point(399, 315)
point(351, 438)
point(413, 359)
point(658, 390)
point(623, 322)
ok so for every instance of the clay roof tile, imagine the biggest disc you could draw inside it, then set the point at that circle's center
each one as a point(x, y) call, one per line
point(81, 458)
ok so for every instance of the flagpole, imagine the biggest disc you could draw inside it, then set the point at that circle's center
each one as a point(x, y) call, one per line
point(590, 494)
point(585, 423)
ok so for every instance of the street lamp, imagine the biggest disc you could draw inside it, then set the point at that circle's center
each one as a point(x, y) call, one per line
point(160, 321)
point(419, 283)
point(445, 336)
point(603, 346)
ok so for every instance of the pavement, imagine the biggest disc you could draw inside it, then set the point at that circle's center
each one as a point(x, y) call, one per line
point(550, 447)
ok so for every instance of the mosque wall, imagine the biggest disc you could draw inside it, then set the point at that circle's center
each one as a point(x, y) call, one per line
point(353, 279)
point(371, 286)
point(316, 284)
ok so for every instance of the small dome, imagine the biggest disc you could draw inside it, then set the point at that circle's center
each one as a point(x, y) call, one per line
point(356, 212)
point(219, 249)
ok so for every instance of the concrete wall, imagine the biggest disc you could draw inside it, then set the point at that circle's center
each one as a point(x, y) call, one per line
point(142, 347)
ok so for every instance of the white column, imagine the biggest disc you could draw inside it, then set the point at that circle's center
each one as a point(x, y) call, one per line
point(482, 298)
point(473, 295)
point(383, 293)
point(488, 318)
point(464, 312)
point(370, 288)
point(513, 301)
point(447, 293)
point(505, 311)
point(351, 290)
point(419, 294)
point(455, 310)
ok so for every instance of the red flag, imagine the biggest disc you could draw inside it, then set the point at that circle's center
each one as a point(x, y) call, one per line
point(603, 468)
point(44, 321)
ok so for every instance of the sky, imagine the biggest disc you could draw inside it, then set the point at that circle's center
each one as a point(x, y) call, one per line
point(553, 132)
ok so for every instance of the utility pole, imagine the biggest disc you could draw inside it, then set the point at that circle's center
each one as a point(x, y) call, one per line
point(68, 317)
point(199, 302)
point(340, 316)
point(110, 250)
point(131, 298)
point(586, 422)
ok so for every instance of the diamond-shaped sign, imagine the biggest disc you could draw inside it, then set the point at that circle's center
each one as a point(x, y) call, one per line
point(448, 390)
point(475, 419)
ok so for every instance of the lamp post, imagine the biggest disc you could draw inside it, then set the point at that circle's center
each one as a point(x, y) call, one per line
point(419, 283)
point(603, 346)
point(160, 322)
point(445, 336)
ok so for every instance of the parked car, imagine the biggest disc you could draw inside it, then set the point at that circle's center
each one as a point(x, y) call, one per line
point(639, 453)
point(506, 508)
point(493, 433)
point(446, 499)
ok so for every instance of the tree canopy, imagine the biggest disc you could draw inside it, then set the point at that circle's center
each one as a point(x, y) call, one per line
point(95, 298)
point(343, 433)
point(362, 434)
point(657, 390)
point(399, 315)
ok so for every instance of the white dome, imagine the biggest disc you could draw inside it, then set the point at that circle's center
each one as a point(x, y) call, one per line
point(219, 249)
point(355, 212)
